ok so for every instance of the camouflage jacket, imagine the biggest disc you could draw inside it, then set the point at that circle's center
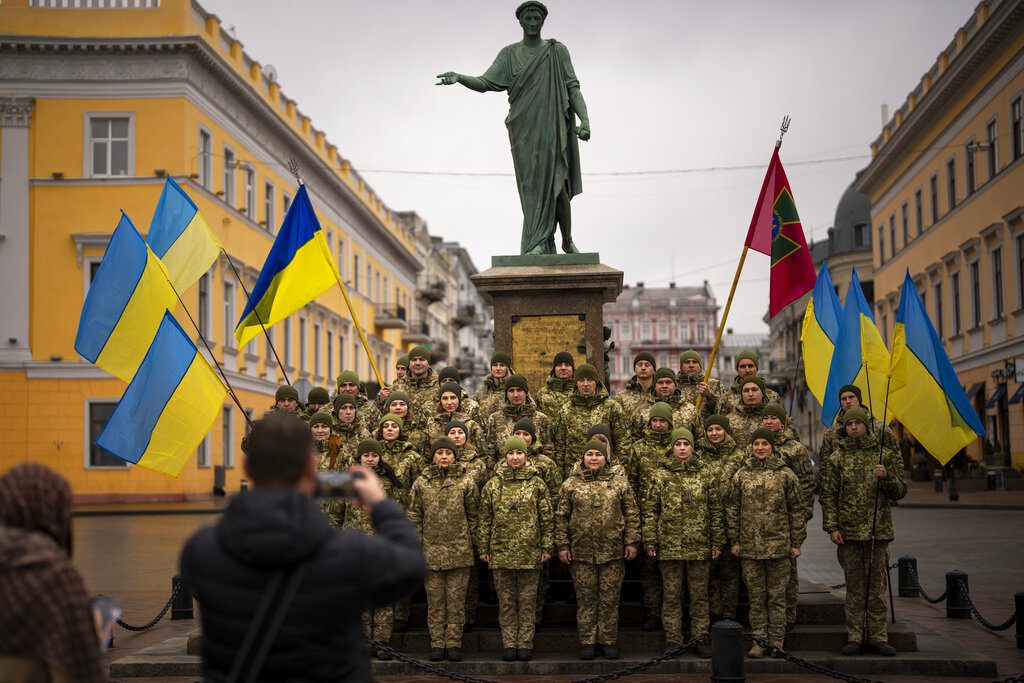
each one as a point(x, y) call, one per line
point(554, 395)
point(837, 432)
point(581, 413)
point(633, 397)
point(797, 458)
point(501, 423)
point(597, 516)
point(327, 449)
point(743, 420)
point(440, 419)
point(848, 489)
point(354, 517)
point(683, 516)
point(443, 508)
point(406, 463)
point(547, 470)
point(350, 435)
point(688, 389)
point(516, 523)
point(731, 399)
point(364, 410)
point(723, 460)
point(764, 510)
point(684, 415)
point(422, 391)
point(644, 457)
point(489, 397)
point(478, 466)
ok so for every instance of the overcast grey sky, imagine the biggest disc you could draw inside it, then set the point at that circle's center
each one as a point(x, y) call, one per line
point(669, 85)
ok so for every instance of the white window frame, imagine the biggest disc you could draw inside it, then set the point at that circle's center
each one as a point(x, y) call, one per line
point(992, 153)
point(341, 257)
point(661, 330)
point(956, 303)
point(86, 452)
point(87, 169)
point(303, 334)
point(286, 329)
point(318, 356)
point(269, 204)
point(286, 204)
point(228, 307)
point(249, 189)
point(977, 316)
point(230, 171)
point(227, 430)
point(205, 160)
point(87, 264)
point(203, 453)
point(205, 310)
point(330, 355)
point(998, 284)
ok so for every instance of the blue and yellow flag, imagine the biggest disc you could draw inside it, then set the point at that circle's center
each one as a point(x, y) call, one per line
point(860, 358)
point(819, 333)
point(169, 406)
point(181, 237)
point(125, 304)
point(925, 393)
point(298, 269)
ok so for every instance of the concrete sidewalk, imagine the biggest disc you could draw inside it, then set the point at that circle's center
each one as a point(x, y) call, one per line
point(922, 494)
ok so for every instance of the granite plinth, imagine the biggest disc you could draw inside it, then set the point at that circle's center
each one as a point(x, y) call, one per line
point(585, 259)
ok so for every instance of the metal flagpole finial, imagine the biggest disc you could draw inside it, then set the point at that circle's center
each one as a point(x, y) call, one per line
point(293, 166)
point(783, 129)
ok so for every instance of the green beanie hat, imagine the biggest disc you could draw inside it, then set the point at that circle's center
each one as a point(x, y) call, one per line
point(857, 413)
point(563, 357)
point(720, 420)
point(449, 386)
point(348, 376)
point(759, 381)
point(321, 418)
point(763, 433)
point(514, 443)
point(369, 446)
point(449, 373)
point(748, 354)
point(644, 355)
point(691, 354)
point(342, 399)
point(587, 371)
point(456, 423)
point(501, 357)
point(443, 442)
point(517, 381)
point(852, 388)
point(526, 424)
point(662, 410)
point(602, 430)
point(285, 391)
point(595, 445)
point(682, 433)
point(391, 417)
point(419, 352)
point(664, 372)
point(777, 410)
point(398, 396)
point(318, 395)
point(403, 360)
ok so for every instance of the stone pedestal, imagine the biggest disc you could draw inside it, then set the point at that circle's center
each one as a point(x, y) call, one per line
point(541, 308)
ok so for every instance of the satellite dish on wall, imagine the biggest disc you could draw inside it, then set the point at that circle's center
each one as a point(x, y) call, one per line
point(270, 72)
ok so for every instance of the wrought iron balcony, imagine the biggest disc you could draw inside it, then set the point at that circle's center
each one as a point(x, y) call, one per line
point(390, 316)
point(416, 333)
point(432, 289)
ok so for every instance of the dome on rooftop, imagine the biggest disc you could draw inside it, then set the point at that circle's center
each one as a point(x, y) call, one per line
point(852, 227)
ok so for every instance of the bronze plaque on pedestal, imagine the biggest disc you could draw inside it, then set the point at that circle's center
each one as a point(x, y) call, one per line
point(537, 338)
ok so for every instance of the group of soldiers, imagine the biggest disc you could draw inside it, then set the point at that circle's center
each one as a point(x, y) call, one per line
point(702, 483)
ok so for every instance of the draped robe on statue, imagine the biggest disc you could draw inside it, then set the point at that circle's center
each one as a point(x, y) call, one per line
point(541, 127)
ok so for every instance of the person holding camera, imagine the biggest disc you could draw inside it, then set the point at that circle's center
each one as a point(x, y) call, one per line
point(280, 591)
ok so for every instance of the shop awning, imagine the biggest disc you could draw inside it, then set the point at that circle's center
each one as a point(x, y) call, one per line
point(1017, 395)
point(975, 388)
point(1000, 393)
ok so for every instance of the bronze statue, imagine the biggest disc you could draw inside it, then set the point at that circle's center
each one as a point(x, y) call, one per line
point(544, 100)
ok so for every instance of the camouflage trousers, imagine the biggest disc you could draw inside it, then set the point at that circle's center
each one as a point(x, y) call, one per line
point(542, 590)
point(377, 623)
point(517, 605)
point(472, 593)
point(767, 581)
point(402, 610)
point(676, 577)
point(650, 582)
point(598, 587)
point(724, 585)
point(792, 592)
point(446, 606)
point(853, 557)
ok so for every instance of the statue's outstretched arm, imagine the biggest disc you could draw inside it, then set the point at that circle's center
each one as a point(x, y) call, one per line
point(471, 82)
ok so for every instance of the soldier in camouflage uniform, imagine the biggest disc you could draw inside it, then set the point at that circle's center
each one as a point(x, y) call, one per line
point(798, 459)
point(378, 623)
point(766, 526)
point(637, 392)
point(684, 414)
point(316, 400)
point(850, 397)
point(729, 401)
point(467, 405)
point(588, 405)
point(691, 382)
point(286, 400)
point(447, 408)
point(517, 404)
point(443, 509)
point(479, 468)
point(554, 395)
point(597, 528)
point(849, 505)
point(491, 394)
point(414, 429)
point(420, 384)
point(744, 419)
point(515, 535)
point(348, 383)
point(402, 367)
point(718, 451)
point(327, 447)
point(347, 426)
point(683, 526)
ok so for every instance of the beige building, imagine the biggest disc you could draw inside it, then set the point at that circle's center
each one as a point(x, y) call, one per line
point(946, 185)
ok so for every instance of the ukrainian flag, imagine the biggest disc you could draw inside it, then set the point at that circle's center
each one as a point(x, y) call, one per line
point(169, 406)
point(298, 269)
point(819, 333)
point(925, 393)
point(860, 358)
point(125, 304)
point(181, 237)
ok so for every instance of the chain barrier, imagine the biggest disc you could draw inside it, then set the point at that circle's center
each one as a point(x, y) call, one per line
point(155, 620)
point(816, 668)
point(836, 587)
point(917, 584)
point(962, 585)
point(636, 668)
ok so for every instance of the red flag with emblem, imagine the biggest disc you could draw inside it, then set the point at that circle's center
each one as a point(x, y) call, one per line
point(775, 230)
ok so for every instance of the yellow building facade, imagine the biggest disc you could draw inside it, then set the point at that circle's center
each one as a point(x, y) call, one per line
point(946, 184)
point(97, 104)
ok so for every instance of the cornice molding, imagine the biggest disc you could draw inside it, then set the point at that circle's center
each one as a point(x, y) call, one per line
point(16, 112)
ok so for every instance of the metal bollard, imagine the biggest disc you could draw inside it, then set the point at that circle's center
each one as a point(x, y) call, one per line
point(727, 651)
point(956, 602)
point(181, 606)
point(244, 486)
point(990, 480)
point(937, 478)
point(1018, 609)
point(907, 570)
